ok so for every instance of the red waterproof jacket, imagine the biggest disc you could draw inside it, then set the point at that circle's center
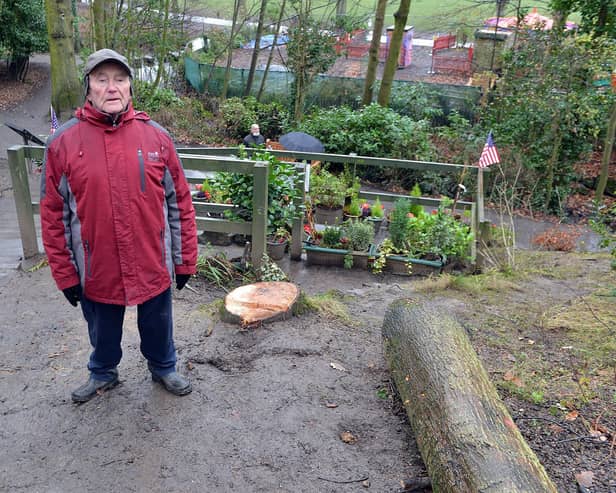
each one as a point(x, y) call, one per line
point(116, 210)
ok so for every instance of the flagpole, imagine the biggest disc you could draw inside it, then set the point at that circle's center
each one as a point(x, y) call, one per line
point(480, 216)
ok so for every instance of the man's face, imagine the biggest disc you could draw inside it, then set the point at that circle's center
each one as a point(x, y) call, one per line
point(255, 130)
point(109, 88)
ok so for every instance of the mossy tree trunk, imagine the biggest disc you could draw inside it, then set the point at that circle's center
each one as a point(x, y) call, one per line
point(465, 434)
point(66, 88)
point(373, 54)
point(391, 64)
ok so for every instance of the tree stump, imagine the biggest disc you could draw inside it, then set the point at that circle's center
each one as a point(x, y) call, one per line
point(253, 304)
point(467, 439)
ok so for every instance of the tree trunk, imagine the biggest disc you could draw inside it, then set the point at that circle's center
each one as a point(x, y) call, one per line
point(257, 49)
point(373, 54)
point(225, 85)
point(391, 64)
point(271, 53)
point(608, 145)
point(464, 432)
point(162, 47)
point(66, 88)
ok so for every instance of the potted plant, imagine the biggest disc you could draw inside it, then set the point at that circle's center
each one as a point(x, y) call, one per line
point(327, 194)
point(347, 246)
point(277, 242)
point(353, 210)
point(422, 242)
point(360, 235)
point(375, 214)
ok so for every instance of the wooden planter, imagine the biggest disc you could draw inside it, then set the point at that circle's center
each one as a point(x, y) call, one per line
point(316, 255)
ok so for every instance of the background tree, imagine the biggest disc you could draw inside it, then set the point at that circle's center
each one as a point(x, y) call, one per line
point(102, 21)
point(66, 89)
point(373, 53)
point(22, 32)
point(310, 52)
point(257, 49)
point(271, 53)
point(548, 111)
point(391, 64)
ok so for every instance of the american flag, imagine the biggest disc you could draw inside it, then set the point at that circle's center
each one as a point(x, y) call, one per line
point(489, 155)
point(54, 121)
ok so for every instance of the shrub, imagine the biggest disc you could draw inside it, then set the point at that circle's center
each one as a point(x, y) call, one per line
point(360, 234)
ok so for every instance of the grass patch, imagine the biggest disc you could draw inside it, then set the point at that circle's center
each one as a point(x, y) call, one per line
point(330, 304)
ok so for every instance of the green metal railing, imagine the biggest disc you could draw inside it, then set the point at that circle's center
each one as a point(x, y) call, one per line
point(201, 162)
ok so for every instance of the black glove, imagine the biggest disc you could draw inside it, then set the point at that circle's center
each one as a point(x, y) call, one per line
point(181, 280)
point(73, 294)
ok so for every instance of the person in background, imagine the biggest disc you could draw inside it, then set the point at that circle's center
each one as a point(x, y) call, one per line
point(254, 138)
point(118, 224)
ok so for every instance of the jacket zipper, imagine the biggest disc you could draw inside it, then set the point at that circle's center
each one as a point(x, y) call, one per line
point(141, 169)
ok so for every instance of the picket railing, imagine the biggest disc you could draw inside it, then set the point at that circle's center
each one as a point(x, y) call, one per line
point(202, 162)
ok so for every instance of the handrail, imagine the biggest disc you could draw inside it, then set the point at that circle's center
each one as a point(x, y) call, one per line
point(257, 228)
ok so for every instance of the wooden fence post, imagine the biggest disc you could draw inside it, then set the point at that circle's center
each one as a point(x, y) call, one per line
point(23, 200)
point(259, 212)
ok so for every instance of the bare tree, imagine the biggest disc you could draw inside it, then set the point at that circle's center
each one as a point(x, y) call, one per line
point(257, 49)
point(271, 53)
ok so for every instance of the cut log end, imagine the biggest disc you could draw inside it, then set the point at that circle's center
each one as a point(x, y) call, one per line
point(254, 304)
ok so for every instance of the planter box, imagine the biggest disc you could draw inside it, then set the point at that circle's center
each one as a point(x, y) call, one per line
point(399, 265)
point(418, 267)
point(316, 255)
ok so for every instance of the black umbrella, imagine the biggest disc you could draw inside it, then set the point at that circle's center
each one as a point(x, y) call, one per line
point(300, 141)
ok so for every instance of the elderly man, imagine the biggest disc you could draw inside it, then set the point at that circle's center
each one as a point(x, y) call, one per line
point(254, 138)
point(118, 224)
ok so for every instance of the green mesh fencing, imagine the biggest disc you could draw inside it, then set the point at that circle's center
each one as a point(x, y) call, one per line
point(325, 91)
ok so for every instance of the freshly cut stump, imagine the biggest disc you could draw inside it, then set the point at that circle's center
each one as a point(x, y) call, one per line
point(260, 302)
point(466, 437)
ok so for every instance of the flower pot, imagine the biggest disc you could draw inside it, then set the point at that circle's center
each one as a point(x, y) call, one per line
point(276, 249)
point(325, 215)
point(376, 223)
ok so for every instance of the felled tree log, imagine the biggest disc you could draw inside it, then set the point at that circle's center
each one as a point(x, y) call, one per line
point(466, 437)
point(252, 304)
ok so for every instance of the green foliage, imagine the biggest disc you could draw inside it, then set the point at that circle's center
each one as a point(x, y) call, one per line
point(331, 237)
point(238, 114)
point(151, 99)
point(377, 210)
point(547, 110)
point(438, 233)
point(22, 27)
point(282, 195)
point(417, 101)
point(327, 189)
point(354, 208)
point(360, 234)
point(371, 131)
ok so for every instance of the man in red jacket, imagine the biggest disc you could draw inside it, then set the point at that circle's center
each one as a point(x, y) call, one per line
point(118, 224)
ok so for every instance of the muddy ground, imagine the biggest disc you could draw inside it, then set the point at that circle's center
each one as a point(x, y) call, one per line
point(269, 404)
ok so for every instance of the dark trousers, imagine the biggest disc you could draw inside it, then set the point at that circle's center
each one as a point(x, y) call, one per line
point(155, 323)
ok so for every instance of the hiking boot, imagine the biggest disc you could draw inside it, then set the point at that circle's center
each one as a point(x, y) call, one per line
point(93, 387)
point(174, 383)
